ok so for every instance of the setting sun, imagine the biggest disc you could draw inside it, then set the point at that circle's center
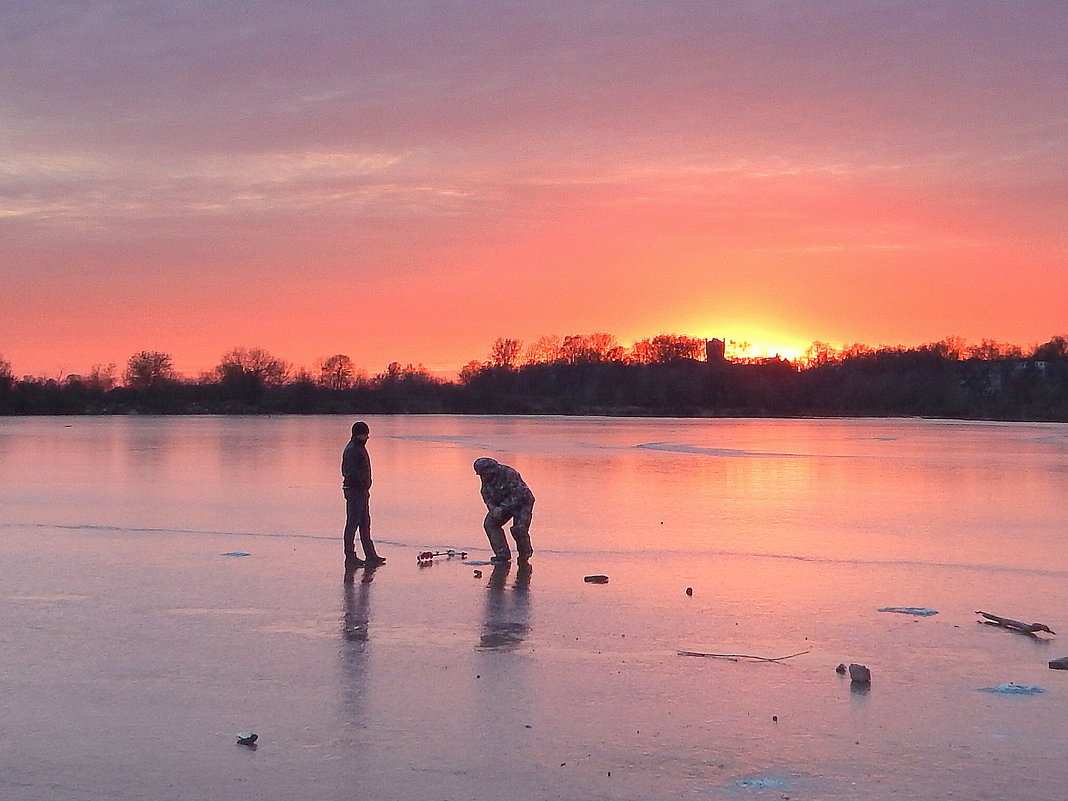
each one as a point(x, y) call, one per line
point(763, 350)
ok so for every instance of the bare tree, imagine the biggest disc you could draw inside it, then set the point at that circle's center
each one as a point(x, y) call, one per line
point(1054, 350)
point(544, 350)
point(470, 370)
point(820, 354)
point(666, 348)
point(252, 365)
point(409, 374)
point(102, 377)
point(7, 378)
point(337, 372)
point(301, 375)
point(505, 353)
point(148, 369)
point(952, 348)
point(576, 348)
point(857, 350)
point(641, 352)
point(605, 346)
point(989, 350)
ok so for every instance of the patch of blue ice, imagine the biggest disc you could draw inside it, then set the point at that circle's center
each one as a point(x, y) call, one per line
point(236, 553)
point(765, 783)
point(922, 611)
point(475, 563)
point(1013, 689)
point(762, 783)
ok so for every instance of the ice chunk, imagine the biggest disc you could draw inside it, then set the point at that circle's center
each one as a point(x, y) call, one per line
point(1013, 689)
point(922, 611)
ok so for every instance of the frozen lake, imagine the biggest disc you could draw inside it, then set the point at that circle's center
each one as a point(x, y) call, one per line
point(132, 651)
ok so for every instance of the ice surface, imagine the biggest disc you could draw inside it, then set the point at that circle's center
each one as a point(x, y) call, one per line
point(131, 653)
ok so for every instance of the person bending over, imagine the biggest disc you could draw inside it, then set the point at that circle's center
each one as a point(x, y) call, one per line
point(507, 498)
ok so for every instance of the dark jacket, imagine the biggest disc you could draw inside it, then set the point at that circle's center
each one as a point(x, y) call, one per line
point(356, 467)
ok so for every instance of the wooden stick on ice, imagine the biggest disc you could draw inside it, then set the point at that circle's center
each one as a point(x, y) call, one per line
point(1016, 625)
point(736, 657)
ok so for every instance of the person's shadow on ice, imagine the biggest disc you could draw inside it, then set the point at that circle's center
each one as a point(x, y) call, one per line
point(506, 619)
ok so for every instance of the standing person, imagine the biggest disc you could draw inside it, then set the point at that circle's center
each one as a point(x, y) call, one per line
point(507, 498)
point(356, 475)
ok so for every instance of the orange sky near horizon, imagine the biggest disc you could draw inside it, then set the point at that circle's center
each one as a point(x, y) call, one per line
point(407, 183)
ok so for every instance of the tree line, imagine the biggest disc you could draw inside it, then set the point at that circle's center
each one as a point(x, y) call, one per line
point(665, 375)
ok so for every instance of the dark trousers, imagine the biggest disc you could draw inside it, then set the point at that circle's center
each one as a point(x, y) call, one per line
point(358, 516)
point(520, 529)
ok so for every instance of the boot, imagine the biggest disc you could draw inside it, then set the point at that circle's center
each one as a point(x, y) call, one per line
point(498, 543)
point(352, 560)
point(522, 545)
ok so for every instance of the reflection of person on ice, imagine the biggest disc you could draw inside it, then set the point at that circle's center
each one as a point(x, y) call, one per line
point(507, 498)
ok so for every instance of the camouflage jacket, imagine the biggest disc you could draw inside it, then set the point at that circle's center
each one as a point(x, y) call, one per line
point(504, 487)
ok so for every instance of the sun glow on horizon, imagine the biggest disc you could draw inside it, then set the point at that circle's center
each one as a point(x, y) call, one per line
point(739, 350)
point(742, 342)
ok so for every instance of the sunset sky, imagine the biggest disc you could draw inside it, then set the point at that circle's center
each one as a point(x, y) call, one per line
point(407, 180)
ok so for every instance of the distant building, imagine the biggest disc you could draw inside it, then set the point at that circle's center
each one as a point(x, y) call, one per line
point(715, 351)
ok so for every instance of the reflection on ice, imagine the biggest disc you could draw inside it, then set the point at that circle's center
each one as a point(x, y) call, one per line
point(357, 615)
point(507, 612)
point(677, 448)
